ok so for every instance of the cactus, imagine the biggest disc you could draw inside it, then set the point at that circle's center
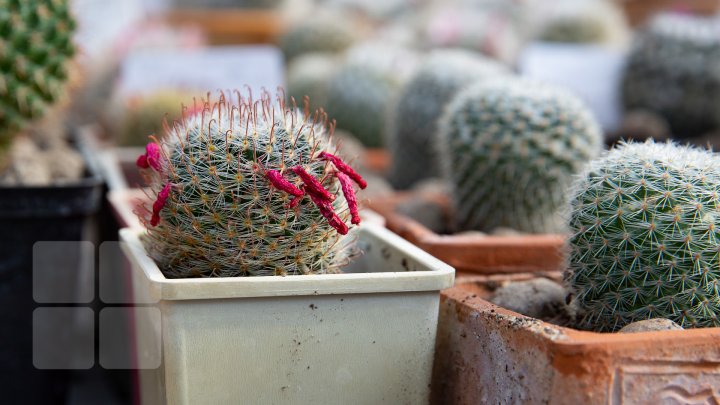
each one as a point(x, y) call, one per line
point(248, 188)
point(327, 32)
point(412, 125)
point(644, 238)
point(509, 149)
point(37, 47)
point(674, 70)
point(587, 21)
point(364, 87)
point(309, 75)
point(136, 118)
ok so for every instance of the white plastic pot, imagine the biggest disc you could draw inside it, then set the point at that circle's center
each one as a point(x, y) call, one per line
point(366, 336)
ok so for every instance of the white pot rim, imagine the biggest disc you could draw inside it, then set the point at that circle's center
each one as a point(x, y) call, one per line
point(432, 275)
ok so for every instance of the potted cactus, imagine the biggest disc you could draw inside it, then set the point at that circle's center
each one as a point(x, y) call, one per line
point(508, 148)
point(48, 190)
point(256, 188)
point(643, 247)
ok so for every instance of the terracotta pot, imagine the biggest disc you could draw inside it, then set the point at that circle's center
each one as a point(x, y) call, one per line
point(487, 354)
point(473, 254)
point(377, 160)
point(638, 11)
point(231, 26)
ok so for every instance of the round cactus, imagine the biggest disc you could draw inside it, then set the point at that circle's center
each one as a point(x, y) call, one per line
point(364, 87)
point(645, 239)
point(674, 70)
point(248, 188)
point(588, 21)
point(309, 75)
point(509, 148)
point(37, 47)
point(412, 125)
point(327, 32)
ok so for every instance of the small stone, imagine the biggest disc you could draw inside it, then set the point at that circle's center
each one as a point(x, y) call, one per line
point(426, 212)
point(537, 298)
point(650, 325)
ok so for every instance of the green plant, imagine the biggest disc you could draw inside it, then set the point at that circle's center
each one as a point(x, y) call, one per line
point(674, 70)
point(248, 188)
point(587, 21)
point(327, 32)
point(412, 124)
point(309, 75)
point(645, 239)
point(37, 47)
point(509, 148)
point(136, 118)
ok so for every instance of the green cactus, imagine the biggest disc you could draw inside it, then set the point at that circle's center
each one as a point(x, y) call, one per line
point(137, 118)
point(587, 21)
point(327, 32)
point(248, 188)
point(363, 89)
point(645, 239)
point(412, 126)
point(36, 49)
point(509, 148)
point(309, 75)
point(674, 70)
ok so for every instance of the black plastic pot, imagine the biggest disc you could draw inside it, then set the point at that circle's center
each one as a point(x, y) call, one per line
point(29, 215)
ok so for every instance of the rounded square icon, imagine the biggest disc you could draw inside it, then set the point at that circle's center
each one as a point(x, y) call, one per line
point(63, 272)
point(119, 326)
point(63, 338)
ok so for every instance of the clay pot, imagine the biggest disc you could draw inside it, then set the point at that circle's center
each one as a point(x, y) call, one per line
point(230, 26)
point(638, 11)
point(377, 160)
point(473, 254)
point(487, 354)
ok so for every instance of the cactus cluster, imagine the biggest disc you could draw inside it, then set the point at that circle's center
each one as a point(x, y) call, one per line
point(509, 149)
point(326, 32)
point(412, 125)
point(588, 21)
point(248, 188)
point(37, 47)
point(645, 237)
point(674, 70)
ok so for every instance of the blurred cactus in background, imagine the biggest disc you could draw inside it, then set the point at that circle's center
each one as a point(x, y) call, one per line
point(412, 125)
point(644, 238)
point(309, 75)
point(509, 149)
point(260, 4)
point(585, 21)
point(248, 188)
point(37, 49)
point(325, 32)
point(674, 71)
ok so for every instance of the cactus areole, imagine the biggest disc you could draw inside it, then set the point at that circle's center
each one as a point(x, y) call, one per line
point(248, 188)
point(646, 241)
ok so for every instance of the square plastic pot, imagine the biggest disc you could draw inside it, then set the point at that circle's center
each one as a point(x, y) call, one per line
point(468, 253)
point(488, 354)
point(365, 336)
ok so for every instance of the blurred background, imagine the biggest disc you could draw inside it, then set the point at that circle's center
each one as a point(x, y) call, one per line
point(645, 68)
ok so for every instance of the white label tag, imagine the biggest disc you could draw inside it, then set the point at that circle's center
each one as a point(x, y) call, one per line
point(593, 73)
point(202, 70)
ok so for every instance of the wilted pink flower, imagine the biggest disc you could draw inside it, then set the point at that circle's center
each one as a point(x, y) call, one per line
point(312, 185)
point(159, 204)
point(281, 183)
point(327, 211)
point(343, 167)
point(151, 158)
point(349, 193)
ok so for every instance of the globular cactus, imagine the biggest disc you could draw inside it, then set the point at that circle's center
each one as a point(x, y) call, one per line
point(248, 188)
point(412, 125)
point(136, 118)
point(588, 21)
point(37, 47)
point(674, 70)
point(644, 238)
point(326, 32)
point(365, 86)
point(309, 75)
point(509, 148)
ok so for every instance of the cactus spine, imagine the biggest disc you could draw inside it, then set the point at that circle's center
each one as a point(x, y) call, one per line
point(644, 239)
point(248, 188)
point(36, 44)
point(674, 71)
point(412, 126)
point(509, 149)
